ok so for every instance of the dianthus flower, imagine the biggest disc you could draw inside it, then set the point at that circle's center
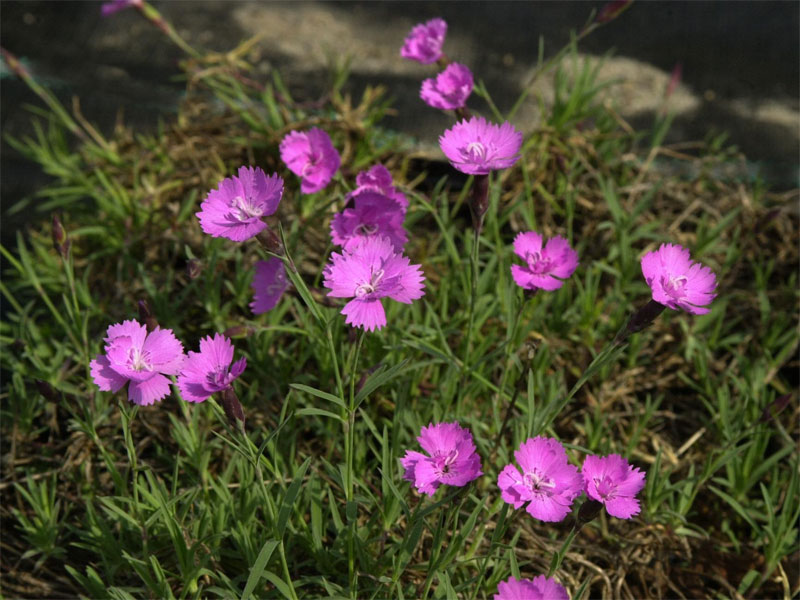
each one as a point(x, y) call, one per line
point(109, 8)
point(379, 179)
point(450, 89)
point(477, 146)
point(544, 267)
point(311, 156)
point(269, 283)
point(209, 370)
point(372, 215)
point(424, 43)
point(452, 458)
point(547, 481)
point(371, 271)
point(676, 281)
point(615, 483)
point(540, 588)
point(235, 209)
point(142, 358)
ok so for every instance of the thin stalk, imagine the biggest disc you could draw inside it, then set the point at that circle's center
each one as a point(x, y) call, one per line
point(558, 557)
point(127, 421)
point(349, 431)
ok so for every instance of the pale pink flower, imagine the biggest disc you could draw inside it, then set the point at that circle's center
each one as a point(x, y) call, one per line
point(269, 283)
point(476, 147)
point(372, 214)
point(141, 358)
point(210, 370)
point(371, 271)
point(615, 483)
point(545, 267)
point(379, 179)
point(311, 156)
point(424, 43)
point(235, 210)
point(450, 89)
point(548, 483)
point(540, 588)
point(678, 282)
point(451, 460)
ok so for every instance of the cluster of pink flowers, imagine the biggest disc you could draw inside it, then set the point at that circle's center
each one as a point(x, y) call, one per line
point(143, 360)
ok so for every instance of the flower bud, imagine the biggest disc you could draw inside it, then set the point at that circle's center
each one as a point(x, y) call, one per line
point(774, 408)
point(479, 202)
point(60, 241)
point(588, 512)
point(270, 241)
point(47, 390)
point(193, 268)
point(612, 10)
point(146, 317)
point(238, 331)
point(641, 319)
point(233, 408)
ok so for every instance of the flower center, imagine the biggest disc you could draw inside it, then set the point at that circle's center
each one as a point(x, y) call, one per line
point(476, 151)
point(245, 208)
point(139, 360)
point(219, 378)
point(366, 229)
point(605, 487)
point(538, 482)
point(443, 462)
point(311, 165)
point(370, 286)
point(674, 286)
point(537, 263)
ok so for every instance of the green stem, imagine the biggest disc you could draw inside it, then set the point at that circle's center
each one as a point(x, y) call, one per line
point(558, 557)
point(349, 430)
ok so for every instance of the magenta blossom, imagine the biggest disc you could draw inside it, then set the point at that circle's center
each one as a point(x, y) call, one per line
point(379, 179)
point(450, 89)
point(372, 214)
point(615, 483)
point(477, 146)
point(547, 481)
point(311, 156)
point(235, 210)
point(209, 370)
point(142, 358)
point(540, 588)
point(109, 8)
point(544, 267)
point(269, 283)
point(452, 458)
point(678, 282)
point(424, 43)
point(371, 271)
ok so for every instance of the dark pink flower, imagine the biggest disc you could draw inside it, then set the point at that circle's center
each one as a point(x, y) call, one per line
point(269, 283)
point(370, 271)
point(372, 214)
point(615, 483)
point(424, 43)
point(548, 483)
point(450, 89)
point(311, 156)
point(452, 458)
point(141, 358)
point(676, 281)
point(476, 147)
point(540, 588)
point(210, 370)
point(544, 268)
point(379, 179)
point(235, 210)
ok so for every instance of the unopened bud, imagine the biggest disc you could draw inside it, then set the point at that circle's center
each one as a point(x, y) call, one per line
point(238, 331)
point(193, 268)
point(47, 390)
point(146, 317)
point(233, 408)
point(60, 241)
point(774, 408)
point(270, 241)
point(479, 202)
point(612, 10)
point(588, 512)
point(641, 319)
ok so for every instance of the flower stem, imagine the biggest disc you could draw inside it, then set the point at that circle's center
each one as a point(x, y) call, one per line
point(558, 557)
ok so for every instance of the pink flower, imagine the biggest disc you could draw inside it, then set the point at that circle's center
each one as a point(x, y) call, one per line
point(424, 43)
point(269, 283)
point(372, 214)
point(450, 89)
point(371, 271)
point(452, 461)
point(142, 358)
point(540, 588)
point(209, 370)
point(379, 179)
point(676, 281)
point(109, 8)
point(476, 147)
point(235, 209)
point(544, 268)
point(615, 483)
point(547, 481)
point(311, 156)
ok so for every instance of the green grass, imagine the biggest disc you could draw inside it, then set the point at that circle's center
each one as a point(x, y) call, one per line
point(100, 498)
